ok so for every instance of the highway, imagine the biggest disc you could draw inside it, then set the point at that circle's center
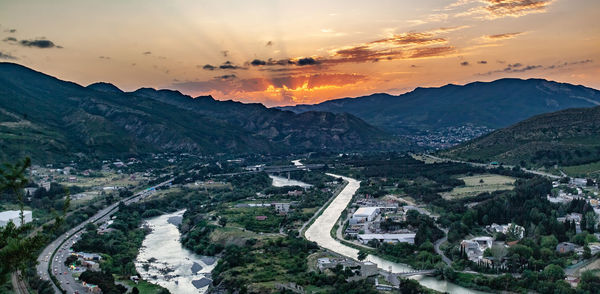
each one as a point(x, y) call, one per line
point(60, 247)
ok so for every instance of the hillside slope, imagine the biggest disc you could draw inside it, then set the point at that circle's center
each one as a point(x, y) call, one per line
point(567, 137)
point(494, 104)
point(50, 119)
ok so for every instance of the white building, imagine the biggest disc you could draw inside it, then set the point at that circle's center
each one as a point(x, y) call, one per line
point(364, 214)
point(387, 238)
point(15, 217)
point(475, 247)
point(505, 229)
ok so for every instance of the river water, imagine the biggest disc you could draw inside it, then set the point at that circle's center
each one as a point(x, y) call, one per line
point(319, 232)
point(163, 261)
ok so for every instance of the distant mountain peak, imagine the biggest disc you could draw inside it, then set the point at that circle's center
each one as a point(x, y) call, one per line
point(104, 87)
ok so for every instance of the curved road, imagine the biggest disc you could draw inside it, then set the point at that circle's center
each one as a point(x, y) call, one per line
point(60, 247)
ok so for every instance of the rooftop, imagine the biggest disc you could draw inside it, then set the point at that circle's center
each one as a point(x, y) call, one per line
point(365, 210)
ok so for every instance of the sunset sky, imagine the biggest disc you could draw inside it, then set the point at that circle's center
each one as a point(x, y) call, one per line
point(293, 52)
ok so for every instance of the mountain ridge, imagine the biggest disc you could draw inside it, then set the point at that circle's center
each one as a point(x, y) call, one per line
point(495, 104)
point(44, 117)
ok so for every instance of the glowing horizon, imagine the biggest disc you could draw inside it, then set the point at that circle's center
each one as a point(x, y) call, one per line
point(291, 52)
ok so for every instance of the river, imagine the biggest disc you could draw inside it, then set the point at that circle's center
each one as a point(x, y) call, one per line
point(163, 261)
point(319, 232)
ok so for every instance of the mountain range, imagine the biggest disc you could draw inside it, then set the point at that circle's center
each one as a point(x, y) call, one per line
point(494, 105)
point(51, 120)
point(566, 138)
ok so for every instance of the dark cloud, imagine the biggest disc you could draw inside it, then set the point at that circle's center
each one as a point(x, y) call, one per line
point(306, 61)
point(39, 43)
point(10, 39)
point(464, 63)
point(565, 64)
point(226, 77)
point(413, 65)
point(229, 65)
point(7, 56)
point(225, 53)
point(519, 67)
point(12, 31)
point(258, 62)
point(147, 53)
point(482, 61)
point(270, 43)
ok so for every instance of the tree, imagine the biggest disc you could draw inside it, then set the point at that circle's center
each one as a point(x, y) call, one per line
point(549, 242)
point(587, 252)
point(222, 221)
point(17, 247)
point(554, 272)
point(135, 290)
point(362, 255)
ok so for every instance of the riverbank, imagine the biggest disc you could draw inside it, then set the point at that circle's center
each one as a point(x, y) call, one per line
point(319, 232)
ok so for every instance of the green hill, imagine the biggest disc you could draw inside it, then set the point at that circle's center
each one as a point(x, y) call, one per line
point(569, 137)
point(54, 120)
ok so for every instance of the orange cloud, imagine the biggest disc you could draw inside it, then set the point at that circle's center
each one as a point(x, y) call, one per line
point(277, 90)
point(399, 46)
point(502, 36)
point(493, 9)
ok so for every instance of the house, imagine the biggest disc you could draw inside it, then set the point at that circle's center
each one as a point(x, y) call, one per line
point(572, 280)
point(387, 238)
point(261, 217)
point(295, 193)
point(30, 191)
point(364, 214)
point(565, 247)
point(45, 185)
point(475, 247)
point(91, 265)
point(517, 230)
point(570, 217)
point(324, 263)
point(281, 207)
point(88, 256)
point(353, 230)
point(368, 269)
point(14, 216)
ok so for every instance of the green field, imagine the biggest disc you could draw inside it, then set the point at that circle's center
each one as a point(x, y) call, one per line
point(474, 185)
point(583, 170)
